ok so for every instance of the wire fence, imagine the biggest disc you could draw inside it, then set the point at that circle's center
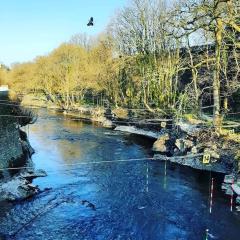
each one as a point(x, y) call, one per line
point(85, 163)
point(141, 122)
point(16, 104)
point(154, 158)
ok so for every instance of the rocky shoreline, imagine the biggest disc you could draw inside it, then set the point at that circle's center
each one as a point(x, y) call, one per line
point(185, 143)
point(16, 167)
point(180, 142)
point(20, 186)
point(18, 172)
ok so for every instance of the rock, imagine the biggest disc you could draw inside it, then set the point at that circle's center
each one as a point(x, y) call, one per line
point(189, 129)
point(32, 186)
point(184, 144)
point(229, 192)
point(40, 173)
point(194, 150)
point(194, 161)
point(161, 144)
point(138, 131)
point(236, 188)
point(107, 124)
point(165, 137)
point(104, 121)
point(26, 191)
point(229, 179)
point(180, 145)
point(8, 196)
point(226, 186)
point(212, 153)
point(20, 186)
point(30, 174)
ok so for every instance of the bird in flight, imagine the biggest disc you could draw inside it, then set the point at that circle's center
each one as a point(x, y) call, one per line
point(90, 23)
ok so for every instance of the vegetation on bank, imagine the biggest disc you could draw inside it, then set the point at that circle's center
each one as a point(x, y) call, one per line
point(167, 59)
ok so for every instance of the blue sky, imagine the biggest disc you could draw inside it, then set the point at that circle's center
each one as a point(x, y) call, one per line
point(29, 28)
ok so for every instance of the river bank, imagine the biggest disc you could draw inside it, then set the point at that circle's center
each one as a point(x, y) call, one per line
point(16, 167)
point(174, 138)
point(184, 142)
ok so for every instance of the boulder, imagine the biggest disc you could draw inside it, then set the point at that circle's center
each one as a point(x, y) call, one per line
point(184, 144)
point(104, 121)
point(20, 186)
point(194, 150)
point(189, 129)
point(226, 186)
point(165, 137)
point(107, 124)
point(212, 153)
point(194, 161)
point(236, 188)
point(160, 145)
point(30, 174)
point(138, 131)
point(26, 190)
point(17, 189)
point(229, 179)
point(229, 192)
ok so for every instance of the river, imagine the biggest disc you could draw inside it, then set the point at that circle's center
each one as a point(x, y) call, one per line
point(136, 200)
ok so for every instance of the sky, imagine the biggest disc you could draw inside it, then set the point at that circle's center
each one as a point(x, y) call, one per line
point(30, 28)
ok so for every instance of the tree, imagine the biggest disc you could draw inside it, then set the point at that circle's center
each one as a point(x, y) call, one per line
point(4, 70)
point(140, 32)
point(212, 16)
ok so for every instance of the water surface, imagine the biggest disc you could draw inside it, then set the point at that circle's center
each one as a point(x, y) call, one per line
point(135, 200)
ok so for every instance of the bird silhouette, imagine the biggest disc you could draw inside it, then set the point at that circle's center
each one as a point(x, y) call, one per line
point(90, 23)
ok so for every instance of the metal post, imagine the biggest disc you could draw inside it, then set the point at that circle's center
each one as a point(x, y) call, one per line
point(231, 208)
point(147, 176)
point(207, 234)
point(165, 175)
point(211, 197)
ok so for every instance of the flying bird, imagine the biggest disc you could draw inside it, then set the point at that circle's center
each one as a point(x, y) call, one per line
point(90, 23)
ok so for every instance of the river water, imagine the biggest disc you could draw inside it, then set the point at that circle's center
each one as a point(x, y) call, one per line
point(136, 200)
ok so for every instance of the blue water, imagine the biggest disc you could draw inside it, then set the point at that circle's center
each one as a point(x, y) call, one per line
point(135, 200)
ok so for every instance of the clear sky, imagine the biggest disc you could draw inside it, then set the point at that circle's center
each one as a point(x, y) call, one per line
point(29, 28)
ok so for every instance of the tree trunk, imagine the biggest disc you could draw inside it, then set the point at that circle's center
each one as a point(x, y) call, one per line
point(217, 121)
